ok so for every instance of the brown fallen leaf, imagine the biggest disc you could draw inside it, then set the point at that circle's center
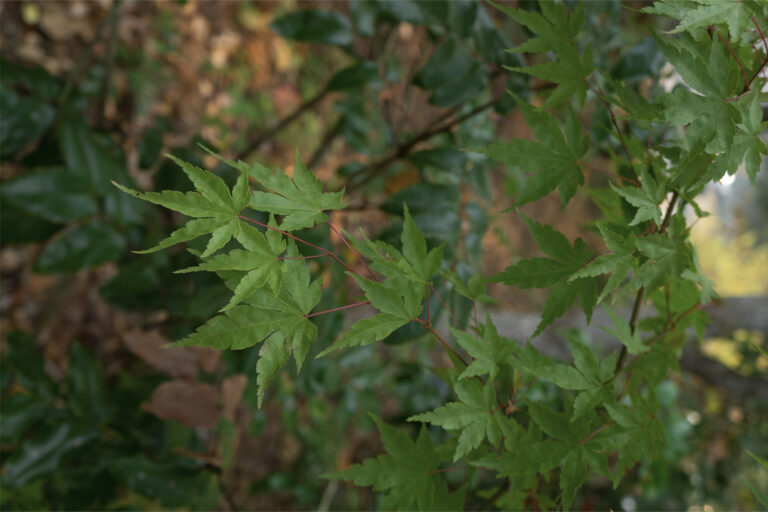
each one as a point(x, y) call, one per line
point(147, 345)
point(194, 404)
point(232, 389)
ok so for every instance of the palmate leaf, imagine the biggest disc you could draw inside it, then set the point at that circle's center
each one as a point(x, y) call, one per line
point(617, 263)
point(704, 13)
point(564, 261)
point(553, 158)
point(475, 415)
point(260, 261)
point(715, 77)
point(215, 207)
point(589, 375)
point(488, 353)
point(280, 318)
point(555, 31)
point(300, 200)
point(405, 472)
point(578, 454)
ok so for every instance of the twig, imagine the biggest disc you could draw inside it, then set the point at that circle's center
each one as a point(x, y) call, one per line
point(85, 57)
point(110, 58)
point(437, 335)
point(738, 61)
point(615, 123)
point(373, 169)
point(609, 173)
point(324, 145)
point(270, 132)
point(765, 43)
point(348, 306)
point(354, 251)
point(446, 307)
point(597, 431)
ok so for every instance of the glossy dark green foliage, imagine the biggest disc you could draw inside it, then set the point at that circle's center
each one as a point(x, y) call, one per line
point(314, 26)
point(69, 438)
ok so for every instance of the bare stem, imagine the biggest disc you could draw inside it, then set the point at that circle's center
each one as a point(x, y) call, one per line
point(340, 308)
point(445, 306)
point(609, 173)
point(604, 101)
point(597, 431)
point(738, 61)
point(354, 251)
point(437, 335)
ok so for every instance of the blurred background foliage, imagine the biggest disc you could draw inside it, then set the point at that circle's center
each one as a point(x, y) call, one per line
point(379, 97)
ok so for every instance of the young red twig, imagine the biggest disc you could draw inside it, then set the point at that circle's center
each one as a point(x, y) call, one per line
point(302, 257)
point(615, 123)
point(348, 306)
point(765, 43)
point(609, 173)
point(450, 313)
point(436, 334)
point(324, 251)
point(597, 431)
point(429, 317)
point(738, 61)
point(357, 254)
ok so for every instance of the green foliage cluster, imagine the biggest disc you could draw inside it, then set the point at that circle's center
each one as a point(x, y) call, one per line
point(260, 243)
point(671, 146)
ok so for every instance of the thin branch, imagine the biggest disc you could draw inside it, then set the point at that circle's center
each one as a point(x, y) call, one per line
point(324, 145)
point(446, 307)
point(354, 251)
point(437, 335)
point(340, 308)
point(597, 431)
point(375, 168)
point(609, 173)
point(110, 58)
point(738, 61)
point(85, 57)
point(615, 123)
point(270, 132)
point(765, 43)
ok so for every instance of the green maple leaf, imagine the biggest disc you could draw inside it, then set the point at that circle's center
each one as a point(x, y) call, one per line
point(475, 415)
point(397, 299)
point(521, 447)
point(704, 13)
point(553, 157)
point(418, 264)
point(555, 31)
point(260, 262)
point(216, 208)
point(646, 199)
point(300, 199)
point(641, 434)
point(404, 472)
point(488, 353)
point(278, 318)
point(710, 118)
point(668, 257)
point(617, 263)
point(367, 331)
point(564, 261)
point(589, 375)
point(577, 455)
